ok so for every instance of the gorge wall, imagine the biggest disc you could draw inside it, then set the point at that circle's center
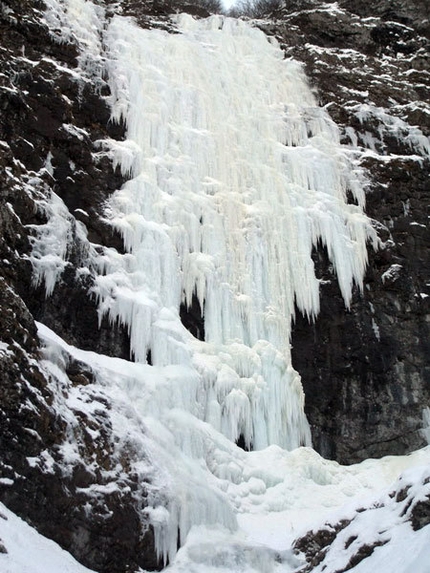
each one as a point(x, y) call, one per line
point(364, 370)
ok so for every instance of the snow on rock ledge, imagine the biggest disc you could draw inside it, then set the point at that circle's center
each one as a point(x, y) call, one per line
point(389, 533)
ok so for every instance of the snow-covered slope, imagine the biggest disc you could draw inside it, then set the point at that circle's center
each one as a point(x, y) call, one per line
point(23, 550)
point(380, 532)
point(202, 488)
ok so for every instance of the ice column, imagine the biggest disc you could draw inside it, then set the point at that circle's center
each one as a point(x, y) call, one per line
point(235, 175)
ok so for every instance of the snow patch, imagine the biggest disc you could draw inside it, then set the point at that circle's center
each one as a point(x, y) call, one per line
point(29, 552)
point(392, 274)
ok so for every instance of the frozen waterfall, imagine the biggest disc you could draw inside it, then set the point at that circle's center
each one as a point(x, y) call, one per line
point(235, 175)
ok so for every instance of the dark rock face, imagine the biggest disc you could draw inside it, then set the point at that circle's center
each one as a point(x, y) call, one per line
point(39, 103)
point(92, 503)
point(365, 370)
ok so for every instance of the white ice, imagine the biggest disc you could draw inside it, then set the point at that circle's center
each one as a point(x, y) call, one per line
point(235, 510)
point(236, 176)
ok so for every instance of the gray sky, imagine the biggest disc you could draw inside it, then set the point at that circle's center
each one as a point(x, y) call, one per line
point(228, 3)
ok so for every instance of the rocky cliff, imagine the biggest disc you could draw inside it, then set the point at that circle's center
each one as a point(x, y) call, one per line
point(365, 369)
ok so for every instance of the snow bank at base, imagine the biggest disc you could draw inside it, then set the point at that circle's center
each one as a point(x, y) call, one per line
point(263, 542)
point(407, 552)
point(236, 511)
point(376, 534)
point(387, 533)
point(29, 552)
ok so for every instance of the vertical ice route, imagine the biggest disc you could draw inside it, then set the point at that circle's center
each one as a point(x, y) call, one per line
point(235, 175)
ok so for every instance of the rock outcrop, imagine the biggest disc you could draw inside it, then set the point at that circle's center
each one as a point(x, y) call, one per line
point(350, 538)
point(88, 499)
point(365, 370)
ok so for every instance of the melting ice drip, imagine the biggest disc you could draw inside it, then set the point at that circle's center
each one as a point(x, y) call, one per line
point(236, 175)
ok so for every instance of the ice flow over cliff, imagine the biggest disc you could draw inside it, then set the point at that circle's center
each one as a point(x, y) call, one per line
point(235, 174)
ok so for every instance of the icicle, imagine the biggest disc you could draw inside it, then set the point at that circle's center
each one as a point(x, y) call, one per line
point(237, 175)
point(51, 240)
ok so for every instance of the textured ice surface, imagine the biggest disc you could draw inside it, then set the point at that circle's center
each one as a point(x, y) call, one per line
point(235, 175)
